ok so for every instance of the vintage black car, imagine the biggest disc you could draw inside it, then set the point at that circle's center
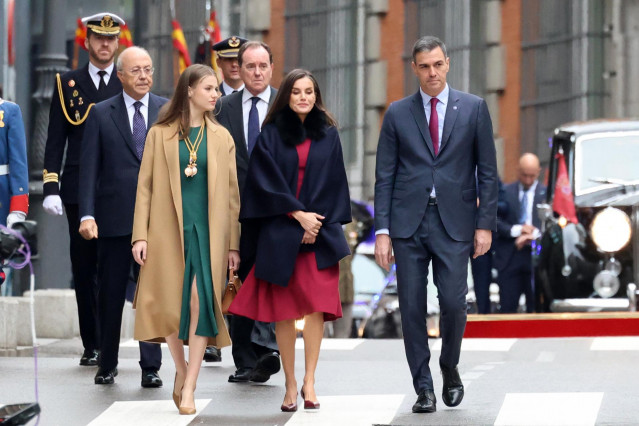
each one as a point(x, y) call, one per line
point(592, 265)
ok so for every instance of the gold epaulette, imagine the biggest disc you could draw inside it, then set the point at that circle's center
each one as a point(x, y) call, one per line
point(49, 177)
point(78, 120)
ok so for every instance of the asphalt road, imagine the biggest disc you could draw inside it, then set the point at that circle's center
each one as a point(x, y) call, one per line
point(568, 381)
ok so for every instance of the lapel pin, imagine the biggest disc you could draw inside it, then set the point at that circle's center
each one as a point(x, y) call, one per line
point(71, 83)
point(455, 107)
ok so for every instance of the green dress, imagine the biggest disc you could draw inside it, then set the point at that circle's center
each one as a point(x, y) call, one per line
point(197, 253)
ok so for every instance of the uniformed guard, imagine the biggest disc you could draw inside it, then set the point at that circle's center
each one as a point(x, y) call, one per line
point(14, 176)
point(227, 62)
point(75, 93)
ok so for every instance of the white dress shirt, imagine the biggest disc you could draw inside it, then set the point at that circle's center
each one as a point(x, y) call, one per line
point(515, 231)
point(228, 89)
point(93, 72)
point(262, 108)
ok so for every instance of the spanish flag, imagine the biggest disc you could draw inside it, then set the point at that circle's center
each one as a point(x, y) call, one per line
point(80, 34)
point(126, 39)
point(179, 43)
point(563, 202)
point(214, 36)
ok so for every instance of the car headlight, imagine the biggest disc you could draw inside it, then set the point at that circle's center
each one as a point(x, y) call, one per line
point(611, 229)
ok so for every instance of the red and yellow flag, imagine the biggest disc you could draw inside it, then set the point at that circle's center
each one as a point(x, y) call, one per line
point(126, 39)
point(214, 36)
point(179, 43)
point(80, 34)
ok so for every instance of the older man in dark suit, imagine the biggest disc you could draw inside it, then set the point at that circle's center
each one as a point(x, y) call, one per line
point(517, 229)
point(242, 113)
point(426, 190)
point(111, 155)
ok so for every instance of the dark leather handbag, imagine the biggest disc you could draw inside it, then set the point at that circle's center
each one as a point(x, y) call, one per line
point(230, 291)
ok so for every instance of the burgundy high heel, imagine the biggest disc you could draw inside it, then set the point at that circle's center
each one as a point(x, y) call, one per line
point(290, 408)
point(308, 404)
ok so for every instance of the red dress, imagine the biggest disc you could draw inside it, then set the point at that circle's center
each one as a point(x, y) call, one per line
point(309, 289)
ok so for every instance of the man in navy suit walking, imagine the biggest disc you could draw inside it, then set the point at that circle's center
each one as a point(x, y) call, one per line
point(516, 230)
point(435, 159)
point(111, 154)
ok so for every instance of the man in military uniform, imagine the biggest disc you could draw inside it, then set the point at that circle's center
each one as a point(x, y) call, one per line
point(227, 62)
point(75, 93)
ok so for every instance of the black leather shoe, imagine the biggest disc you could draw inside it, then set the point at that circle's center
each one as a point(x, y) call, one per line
point(426, 402)
point(267, 365)
point(212, 354)
point(241, 375)
point(151, 378)
point(453, 391)
point(89, 357)
point(105, 377)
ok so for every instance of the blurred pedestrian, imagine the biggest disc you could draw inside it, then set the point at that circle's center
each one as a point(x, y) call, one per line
point(296, 199)
point(185, 229)
point(516, 231)
point(343, 327)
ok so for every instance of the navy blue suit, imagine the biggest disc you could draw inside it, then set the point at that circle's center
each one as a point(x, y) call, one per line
point(77, 92)
point(406, 171)
point(108, 183)
point(515, 266)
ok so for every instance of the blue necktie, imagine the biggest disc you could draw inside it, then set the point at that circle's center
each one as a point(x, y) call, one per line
point(523, 208)
point(139, 129)
point(253, 125)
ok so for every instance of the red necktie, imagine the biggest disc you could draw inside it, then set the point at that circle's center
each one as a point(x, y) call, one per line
point(433, 125)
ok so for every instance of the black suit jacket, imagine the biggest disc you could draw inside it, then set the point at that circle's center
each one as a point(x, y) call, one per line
point(229, 114)
point(110, 166)
point(78, 92)
point(504, 244)
point(407, 168)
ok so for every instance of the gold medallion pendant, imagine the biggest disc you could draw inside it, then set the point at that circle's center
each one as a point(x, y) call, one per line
point(191, 168)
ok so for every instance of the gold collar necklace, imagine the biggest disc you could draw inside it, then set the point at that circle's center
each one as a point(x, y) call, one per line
point(191, 169)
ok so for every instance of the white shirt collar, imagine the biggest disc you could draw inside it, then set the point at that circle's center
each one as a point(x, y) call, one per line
point(228, 89)
point(129, 101)
point(265, 95)
point(93, 70)
point(442, 97)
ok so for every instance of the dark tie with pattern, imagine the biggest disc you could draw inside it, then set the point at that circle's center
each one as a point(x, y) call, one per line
point(139, 129)
point(253, 125)
point(102, 85)
point(523, 208)
point(433, 125)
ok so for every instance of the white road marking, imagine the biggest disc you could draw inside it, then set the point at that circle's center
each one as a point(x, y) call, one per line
point(557, 409)
point(134, 344)
point(615, 344)
point(484, 367)
point(352, 410)
point(140, 413)
point(477, 344)
point(545, 356)
point(334, 344)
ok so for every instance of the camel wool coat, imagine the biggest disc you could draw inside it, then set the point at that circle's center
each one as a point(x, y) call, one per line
point(158, 220)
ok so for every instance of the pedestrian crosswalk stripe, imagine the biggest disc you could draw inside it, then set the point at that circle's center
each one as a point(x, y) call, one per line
point(615, 344)
point(142, 413)
point(352, 410)
point(556, 409)
point(334, 344)
point(478, 344)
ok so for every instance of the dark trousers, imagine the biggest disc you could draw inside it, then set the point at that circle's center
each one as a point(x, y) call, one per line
point(482, 276)
point(115, 261)
point(84, 258)
point(514, 280)
point(450, 270)
point(245, 351)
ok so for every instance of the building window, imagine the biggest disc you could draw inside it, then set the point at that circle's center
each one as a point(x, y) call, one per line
point(459, 24)
point(321, 37)
point(562, 67)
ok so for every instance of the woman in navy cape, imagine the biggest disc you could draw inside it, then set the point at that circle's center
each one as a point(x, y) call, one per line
point(294, 204)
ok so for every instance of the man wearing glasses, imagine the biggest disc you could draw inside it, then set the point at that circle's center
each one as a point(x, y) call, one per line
point(75, 92)
point(110, 159)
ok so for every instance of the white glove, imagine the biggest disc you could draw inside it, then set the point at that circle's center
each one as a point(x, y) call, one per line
point(16, 216)
point(52, 204)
